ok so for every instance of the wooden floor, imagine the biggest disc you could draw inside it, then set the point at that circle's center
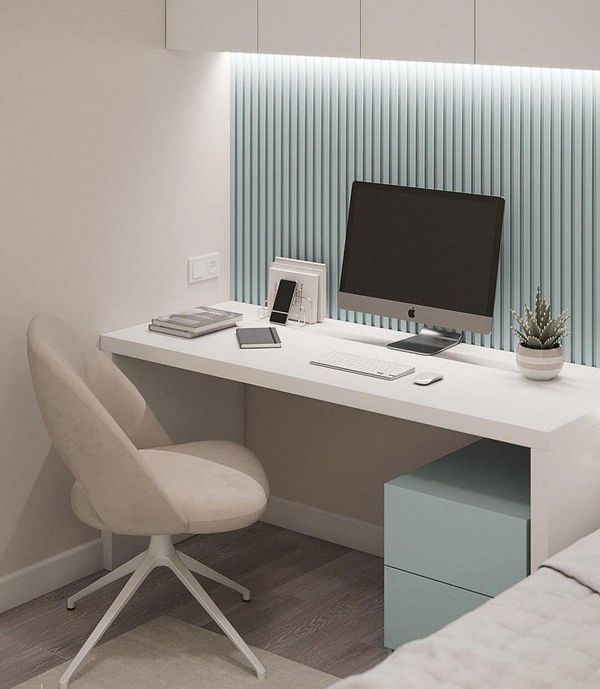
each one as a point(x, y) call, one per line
point(314, 602)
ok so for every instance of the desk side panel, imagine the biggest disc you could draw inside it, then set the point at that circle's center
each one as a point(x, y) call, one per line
point(565, 495)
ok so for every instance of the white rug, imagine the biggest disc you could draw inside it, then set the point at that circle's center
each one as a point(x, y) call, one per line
point(169, 654)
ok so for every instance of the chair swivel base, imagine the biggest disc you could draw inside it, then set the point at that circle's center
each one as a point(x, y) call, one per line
point(160, 553)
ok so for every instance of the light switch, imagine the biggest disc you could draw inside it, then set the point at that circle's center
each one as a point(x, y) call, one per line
point(204, 267)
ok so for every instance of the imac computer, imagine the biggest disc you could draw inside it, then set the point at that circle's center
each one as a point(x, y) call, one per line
point(425, 256)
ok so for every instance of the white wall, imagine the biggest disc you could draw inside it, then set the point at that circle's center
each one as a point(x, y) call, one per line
point(114, 158)
point(114, 168)
point(336, 458)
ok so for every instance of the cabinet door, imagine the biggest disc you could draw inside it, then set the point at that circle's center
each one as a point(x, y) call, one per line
point(428, 30)
point(309, 27)
point(544, 33)
point(212, 25)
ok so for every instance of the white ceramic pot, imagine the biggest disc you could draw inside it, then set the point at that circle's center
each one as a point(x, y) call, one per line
point(540, 364)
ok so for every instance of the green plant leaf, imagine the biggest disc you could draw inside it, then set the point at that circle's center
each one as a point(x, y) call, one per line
point(534, 329)
point(540, 305)
point(553, 327)
point(556, 338)
point(529, 315)
point(520, 322)
point(520, 335)
point(548, 331)
point(552, 342)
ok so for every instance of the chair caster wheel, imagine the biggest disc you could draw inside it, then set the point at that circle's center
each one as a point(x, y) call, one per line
point(247, 598)
point(71, 607)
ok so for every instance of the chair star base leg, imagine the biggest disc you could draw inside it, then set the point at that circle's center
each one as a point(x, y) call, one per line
point(160, 553)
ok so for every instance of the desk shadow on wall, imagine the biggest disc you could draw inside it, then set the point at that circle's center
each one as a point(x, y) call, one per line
point(190, 406)
point(337, 458)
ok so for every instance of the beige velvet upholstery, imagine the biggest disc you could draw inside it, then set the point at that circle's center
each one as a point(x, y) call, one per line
point(217, 485)
point(104, 431)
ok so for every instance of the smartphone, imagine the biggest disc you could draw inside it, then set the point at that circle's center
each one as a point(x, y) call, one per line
point(283, 301)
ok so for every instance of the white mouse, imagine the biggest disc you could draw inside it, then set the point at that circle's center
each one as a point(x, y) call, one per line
point(427, 378)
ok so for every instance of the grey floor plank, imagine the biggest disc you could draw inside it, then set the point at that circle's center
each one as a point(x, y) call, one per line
point(231, 542)
point(267, 613)
point(305, 555)
point(353, 659)
point(343, 573)
point(314, 602)
point(321, 628)
point(47, 603)
point(375, 639)
point(62, 631)
point(22, 661)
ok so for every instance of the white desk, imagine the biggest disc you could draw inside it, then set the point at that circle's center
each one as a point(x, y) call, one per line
point(482, 394)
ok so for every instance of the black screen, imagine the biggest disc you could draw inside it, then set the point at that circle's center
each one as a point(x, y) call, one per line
point(423, 247)
point(285, 293)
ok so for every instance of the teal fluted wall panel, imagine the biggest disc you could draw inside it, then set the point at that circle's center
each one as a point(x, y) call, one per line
point(304, 128)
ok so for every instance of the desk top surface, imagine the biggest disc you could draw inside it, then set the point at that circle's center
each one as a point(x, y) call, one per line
point(482, 393)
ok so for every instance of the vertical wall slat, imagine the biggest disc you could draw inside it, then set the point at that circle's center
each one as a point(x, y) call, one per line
point(304, 128)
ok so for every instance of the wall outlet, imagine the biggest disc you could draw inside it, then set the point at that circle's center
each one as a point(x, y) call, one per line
point(204, 267)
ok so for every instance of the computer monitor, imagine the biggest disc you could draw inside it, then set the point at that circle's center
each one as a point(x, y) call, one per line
point(425, 256)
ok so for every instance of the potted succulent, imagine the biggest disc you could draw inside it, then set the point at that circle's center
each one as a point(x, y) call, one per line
point(540, 355)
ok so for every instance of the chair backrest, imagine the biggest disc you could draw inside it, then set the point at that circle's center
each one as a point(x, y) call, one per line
point(97, 421)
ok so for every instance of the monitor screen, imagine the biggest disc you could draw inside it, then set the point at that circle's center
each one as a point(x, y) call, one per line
point(423, 247)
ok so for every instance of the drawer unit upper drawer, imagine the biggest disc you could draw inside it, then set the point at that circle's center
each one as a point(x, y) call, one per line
point(464, 519)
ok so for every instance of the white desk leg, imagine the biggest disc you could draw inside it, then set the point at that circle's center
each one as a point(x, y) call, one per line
point(565, 495)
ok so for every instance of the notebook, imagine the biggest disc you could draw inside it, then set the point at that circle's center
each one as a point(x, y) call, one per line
point(257, 338)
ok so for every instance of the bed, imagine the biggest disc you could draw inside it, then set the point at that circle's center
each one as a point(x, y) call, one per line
point(544, 632)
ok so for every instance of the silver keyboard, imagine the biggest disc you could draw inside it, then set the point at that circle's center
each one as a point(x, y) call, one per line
point(385, 370)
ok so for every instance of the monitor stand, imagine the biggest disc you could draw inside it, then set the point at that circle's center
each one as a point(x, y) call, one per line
point(428, 342)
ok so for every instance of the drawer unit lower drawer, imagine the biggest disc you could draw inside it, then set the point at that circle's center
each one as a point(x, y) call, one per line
point(416, 607)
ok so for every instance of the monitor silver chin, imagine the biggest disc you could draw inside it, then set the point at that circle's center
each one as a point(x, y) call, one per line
point(439, 318)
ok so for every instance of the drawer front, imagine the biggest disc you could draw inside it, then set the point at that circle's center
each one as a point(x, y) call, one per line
point(416, 607)
point(459, 544)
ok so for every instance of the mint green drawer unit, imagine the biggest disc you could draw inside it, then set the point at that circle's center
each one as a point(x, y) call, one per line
point(464, 519)
point(416, 607)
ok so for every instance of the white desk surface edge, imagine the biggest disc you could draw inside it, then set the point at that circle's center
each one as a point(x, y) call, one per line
point(482, 393)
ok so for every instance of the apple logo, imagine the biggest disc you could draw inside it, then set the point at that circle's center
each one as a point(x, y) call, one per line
point(411, 312)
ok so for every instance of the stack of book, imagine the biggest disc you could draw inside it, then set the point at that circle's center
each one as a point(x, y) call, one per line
point(198, 321)
point(310, 298)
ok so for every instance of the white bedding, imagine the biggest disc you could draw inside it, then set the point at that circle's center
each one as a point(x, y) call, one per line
point(544, 632)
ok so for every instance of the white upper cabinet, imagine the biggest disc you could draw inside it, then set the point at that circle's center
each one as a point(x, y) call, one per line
point(545, 33)
point(309, 27)
point(427, 30)
point(212, 25)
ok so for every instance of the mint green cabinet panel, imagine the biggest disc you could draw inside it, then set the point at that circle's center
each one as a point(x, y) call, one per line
point(463, 519)
point(416, 607)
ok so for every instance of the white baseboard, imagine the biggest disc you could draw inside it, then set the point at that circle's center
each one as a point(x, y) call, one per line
point(54, 572)
point(50, 574)
point(328, 526)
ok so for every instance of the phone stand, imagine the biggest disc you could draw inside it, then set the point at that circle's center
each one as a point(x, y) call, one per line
point(302, 312)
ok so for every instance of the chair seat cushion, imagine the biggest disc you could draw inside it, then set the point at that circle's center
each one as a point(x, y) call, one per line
point(216, 485)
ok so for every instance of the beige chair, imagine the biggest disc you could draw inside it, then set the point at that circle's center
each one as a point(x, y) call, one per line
point(130, 479)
